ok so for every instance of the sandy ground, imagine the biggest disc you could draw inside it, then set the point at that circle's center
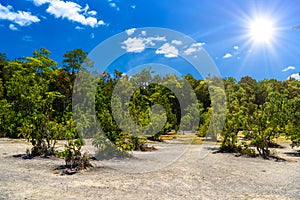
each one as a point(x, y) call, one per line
point(191, 176)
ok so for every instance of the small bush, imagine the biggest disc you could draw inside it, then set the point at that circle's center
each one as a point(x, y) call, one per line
point(245, 150)
point(137, 143)
point(230, 145)
point(73, 157)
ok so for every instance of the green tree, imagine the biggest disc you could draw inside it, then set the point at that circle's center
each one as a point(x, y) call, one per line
point(236, 115)
point(269, 122)
point(293, 111)
point(30, 101)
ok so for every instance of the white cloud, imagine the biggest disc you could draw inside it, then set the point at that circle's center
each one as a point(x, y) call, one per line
point(288, 68)
point(199, 44)
point(101, 22)
point(21, 18)
point(143, 33)
point(138, 44)
point(113, 5)
point(79, 28)
point(236, 47)
point(130, 31)
point(40, 2)
point(189, 51)
point(227, 55)
point(13, 27)
point(150, 40)
point(168, 50)
point(92, 12)
point(85, 9)
point(72, 11)
point(295, 76)
point(176, 42)
point(193, 48)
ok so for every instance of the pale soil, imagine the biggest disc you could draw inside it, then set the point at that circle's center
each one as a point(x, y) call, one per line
point(192, 176)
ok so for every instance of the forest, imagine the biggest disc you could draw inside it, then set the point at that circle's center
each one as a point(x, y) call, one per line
point(36, 104)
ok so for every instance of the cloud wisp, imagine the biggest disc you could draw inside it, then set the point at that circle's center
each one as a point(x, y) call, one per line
point(193, 48)
point(27, 38)
point(113, 5)
point(130, 31)
point(13, 27)
point(288, 68)
point(176, 42)
point(227, 55)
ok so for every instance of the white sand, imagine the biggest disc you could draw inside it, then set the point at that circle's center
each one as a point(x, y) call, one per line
point(216, 176)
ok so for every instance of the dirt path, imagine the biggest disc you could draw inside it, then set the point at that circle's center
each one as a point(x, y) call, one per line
point(216, 176)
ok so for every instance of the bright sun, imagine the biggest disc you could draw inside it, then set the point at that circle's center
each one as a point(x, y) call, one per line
point(262, 30)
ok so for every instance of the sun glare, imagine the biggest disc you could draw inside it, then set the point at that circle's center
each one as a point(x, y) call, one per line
point(262, 30)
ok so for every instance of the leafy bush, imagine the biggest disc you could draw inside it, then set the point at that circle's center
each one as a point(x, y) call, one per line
point(73, 156)
point(229, 143)
point(245, 150)
point(261, 145)
point(108, 150)
point(137, 143)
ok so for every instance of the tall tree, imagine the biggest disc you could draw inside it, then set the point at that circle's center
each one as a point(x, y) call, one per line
point(73, 60)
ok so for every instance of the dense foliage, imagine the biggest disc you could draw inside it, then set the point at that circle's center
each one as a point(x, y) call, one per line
point(263, 110)
point(36, 104)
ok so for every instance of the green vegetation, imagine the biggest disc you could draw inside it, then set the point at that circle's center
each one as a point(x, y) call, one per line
point(73, 156)
point(36, 104)
point(263, 110)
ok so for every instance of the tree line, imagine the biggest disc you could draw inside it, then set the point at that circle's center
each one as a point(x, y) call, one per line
point(36, 104)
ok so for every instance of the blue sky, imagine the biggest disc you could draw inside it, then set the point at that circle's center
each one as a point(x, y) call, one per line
point(223, 28)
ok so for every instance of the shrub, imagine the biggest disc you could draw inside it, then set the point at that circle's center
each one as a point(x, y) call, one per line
point(245, 150)
point(137, 143)
point(229, 143)
point(73, 156)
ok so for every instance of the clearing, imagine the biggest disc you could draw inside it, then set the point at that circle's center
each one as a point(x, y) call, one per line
point(174, 171)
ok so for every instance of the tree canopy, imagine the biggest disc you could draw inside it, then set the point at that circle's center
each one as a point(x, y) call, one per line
point(36, 104)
